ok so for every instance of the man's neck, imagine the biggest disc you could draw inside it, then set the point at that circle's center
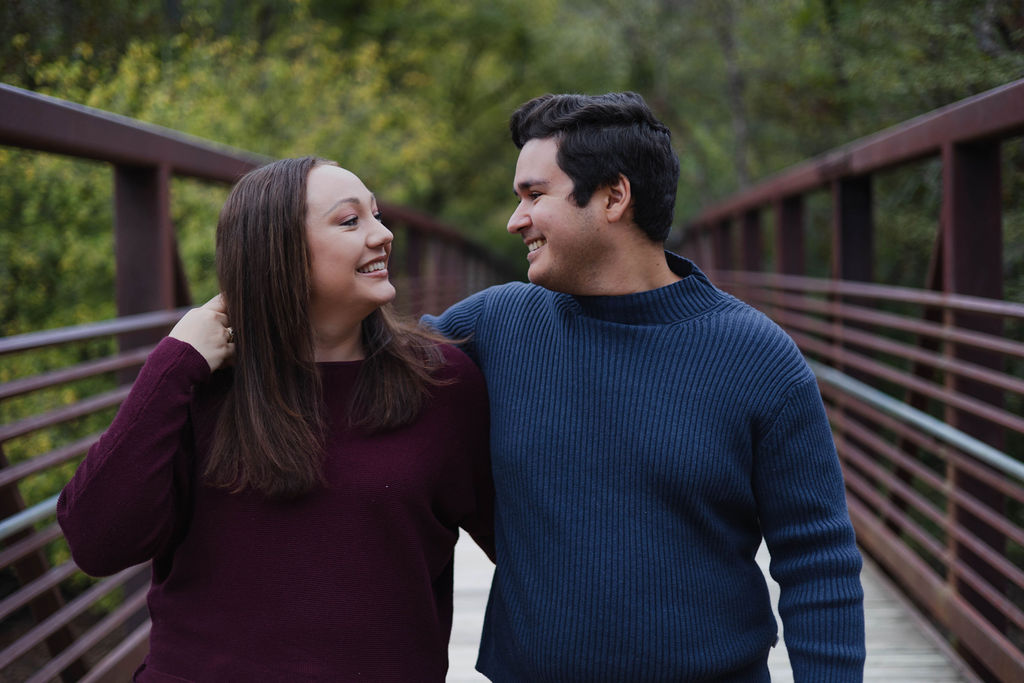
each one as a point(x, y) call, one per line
point(632, 270)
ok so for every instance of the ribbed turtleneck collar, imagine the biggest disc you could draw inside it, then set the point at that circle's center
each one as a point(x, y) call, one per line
point(691, 296)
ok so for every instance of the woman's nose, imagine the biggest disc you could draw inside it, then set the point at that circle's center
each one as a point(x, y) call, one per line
point(380, 236)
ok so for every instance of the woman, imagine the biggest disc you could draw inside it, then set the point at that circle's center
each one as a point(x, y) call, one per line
point(300, 507)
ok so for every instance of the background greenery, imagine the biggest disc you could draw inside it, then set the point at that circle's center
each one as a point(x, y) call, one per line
point(414, 96)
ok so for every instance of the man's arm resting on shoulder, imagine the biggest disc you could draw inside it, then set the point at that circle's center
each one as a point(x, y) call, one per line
point(460, 322)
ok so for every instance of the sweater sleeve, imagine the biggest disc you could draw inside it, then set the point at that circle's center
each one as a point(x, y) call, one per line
point(460, 323)
point(468, 479)
point(122, 505)
point(480, 522)
point(807, 528)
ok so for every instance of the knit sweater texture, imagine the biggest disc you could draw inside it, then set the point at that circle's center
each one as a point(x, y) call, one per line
point(642, 445)
point(351, 582)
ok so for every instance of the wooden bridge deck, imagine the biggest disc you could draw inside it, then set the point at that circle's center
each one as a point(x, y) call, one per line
point(901, 647)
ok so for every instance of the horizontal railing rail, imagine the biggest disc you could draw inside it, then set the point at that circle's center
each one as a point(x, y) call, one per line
point(54, 621)
point(66, 636)
point(991, 116)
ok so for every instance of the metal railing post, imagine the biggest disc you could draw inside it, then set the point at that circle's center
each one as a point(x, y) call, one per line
point(721, 244)
point(972, 264)
point(752, 243)
point(789, 235)
point(144, 245)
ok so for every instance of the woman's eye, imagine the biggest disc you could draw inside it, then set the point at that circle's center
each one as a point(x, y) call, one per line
point(351, 221)
point(378, 216)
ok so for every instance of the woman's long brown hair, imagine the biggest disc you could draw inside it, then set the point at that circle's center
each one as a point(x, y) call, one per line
point(270, 433)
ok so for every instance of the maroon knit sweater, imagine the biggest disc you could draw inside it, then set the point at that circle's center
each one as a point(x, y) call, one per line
point(352, 582)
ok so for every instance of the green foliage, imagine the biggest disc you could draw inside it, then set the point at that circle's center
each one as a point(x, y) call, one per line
point(415, 97)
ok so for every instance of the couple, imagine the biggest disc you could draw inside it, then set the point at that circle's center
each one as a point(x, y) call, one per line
point(301, 503)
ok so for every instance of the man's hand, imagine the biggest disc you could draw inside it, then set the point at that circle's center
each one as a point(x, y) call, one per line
point(206, 330)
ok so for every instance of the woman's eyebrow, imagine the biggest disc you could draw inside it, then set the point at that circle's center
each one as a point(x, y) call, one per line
point(349, 200)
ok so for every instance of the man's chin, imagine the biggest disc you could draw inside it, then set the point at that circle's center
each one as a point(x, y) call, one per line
point(542, 279)
point(536, 276)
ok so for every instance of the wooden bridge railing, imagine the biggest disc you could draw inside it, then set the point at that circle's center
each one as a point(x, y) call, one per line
point(54, 623)
point(925, 387)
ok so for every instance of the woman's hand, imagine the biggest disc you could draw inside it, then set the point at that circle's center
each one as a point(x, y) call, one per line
point(206, 330)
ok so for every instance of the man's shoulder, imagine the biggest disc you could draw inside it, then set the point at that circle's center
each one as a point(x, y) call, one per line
point(753, 334)
point(514, 296)
point(518, 290)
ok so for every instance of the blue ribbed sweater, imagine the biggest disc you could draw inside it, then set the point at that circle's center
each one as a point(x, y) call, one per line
point(641, 445)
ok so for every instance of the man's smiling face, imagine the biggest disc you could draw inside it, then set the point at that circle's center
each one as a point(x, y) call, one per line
point(566, 243)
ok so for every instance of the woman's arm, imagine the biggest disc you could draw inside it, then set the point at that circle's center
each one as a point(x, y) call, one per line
point(125, 500)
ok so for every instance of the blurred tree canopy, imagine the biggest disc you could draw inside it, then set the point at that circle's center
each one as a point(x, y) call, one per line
point(414, 96)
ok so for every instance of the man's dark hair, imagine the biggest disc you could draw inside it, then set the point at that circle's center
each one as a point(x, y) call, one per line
point(601, 136)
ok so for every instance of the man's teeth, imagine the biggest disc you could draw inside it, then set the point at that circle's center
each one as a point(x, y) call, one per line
point(536, 244)
point(376, 265)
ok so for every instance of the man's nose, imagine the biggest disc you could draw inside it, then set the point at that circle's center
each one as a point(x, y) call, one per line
point(520, 219)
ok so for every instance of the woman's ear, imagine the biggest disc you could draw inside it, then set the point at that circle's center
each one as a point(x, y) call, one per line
point(619, 200)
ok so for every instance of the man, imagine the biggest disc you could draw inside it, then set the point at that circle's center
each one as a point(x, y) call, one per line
point(647, 430)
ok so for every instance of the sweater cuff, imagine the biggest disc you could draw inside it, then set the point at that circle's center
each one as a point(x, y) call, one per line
point(174, 352)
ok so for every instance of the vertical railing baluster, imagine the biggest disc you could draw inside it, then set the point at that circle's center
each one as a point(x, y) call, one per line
point(853, 231)
point(853, 237)
point(721, 245)
point(144, 245)
point(751, 243)
point(789, 235)
point(972, 264)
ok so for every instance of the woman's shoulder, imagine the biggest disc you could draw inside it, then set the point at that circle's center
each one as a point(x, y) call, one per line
point(458, 369)
point(456, 361)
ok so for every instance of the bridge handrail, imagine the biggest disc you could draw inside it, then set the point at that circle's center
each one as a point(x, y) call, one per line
point(923, 421)
point(102, 328)
point(47, 124)
point(995, 114)
point(867, 290)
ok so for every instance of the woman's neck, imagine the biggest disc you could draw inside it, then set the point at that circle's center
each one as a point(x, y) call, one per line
point(337, 343)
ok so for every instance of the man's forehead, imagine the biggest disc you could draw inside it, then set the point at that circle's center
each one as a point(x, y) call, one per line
point(537, 163)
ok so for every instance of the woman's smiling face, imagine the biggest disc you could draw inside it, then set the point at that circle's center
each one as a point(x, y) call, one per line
point(348, 245)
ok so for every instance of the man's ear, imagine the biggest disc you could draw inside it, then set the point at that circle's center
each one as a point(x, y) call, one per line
point(619, 200)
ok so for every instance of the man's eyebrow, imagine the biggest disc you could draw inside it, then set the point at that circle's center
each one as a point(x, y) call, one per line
point(527, 184)
point(349, 200)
